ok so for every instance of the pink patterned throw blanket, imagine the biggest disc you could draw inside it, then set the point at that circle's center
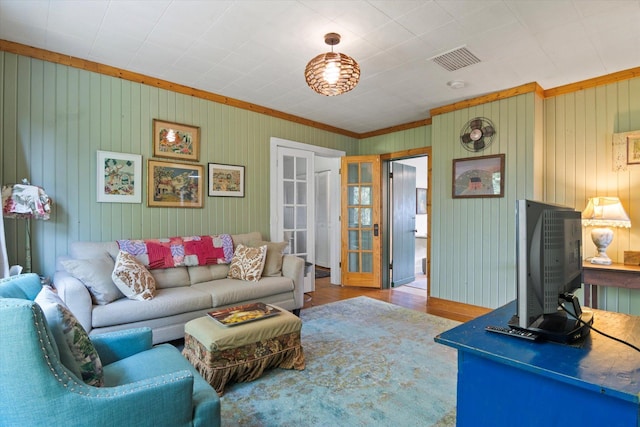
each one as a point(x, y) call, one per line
point(180, 251)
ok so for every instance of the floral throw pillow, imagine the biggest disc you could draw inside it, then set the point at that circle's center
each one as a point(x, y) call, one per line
point(247, 263)
point(76, 350)
point(132, 278)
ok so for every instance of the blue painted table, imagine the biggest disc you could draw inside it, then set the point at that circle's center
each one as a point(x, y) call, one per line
point(508, 381)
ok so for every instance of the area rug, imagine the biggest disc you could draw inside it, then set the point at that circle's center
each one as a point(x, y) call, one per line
point(369, 363)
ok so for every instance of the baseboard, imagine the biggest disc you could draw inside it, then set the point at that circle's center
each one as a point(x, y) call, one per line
point(454, 310)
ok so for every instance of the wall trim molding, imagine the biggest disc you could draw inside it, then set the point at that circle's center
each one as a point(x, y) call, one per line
point(594, 82)
point(71, 61)
point(58, 58)
point(495, 96)
point(397, 128)
point(454, 310)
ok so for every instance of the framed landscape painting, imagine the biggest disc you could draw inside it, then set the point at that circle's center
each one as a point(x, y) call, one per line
point(119, 177)
point(226, 180)
point(478, 177)
point(176, 185)
point(176, 141)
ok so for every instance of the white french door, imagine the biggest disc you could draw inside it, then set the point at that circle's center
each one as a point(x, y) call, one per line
point(300, 155)
point(295, 193)
point(295, 201)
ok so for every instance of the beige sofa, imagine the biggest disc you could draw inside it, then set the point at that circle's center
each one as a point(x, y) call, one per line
point(182, 293)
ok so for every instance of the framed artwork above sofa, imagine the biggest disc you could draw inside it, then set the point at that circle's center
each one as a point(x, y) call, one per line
point(178, 185)
point(226, 180)
point(119, 177)
point(176, 141)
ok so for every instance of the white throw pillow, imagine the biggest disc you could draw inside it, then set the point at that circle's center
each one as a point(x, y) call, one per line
point(132, 278)
point(96, 275)
point(247, 263)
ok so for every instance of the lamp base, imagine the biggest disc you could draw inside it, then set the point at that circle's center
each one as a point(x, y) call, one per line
point(601, 237)
point(600, 260)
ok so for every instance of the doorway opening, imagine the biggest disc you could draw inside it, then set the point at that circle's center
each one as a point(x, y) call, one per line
point(408, 219)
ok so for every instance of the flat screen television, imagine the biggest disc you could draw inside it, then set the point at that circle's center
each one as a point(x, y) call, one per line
point(549, 271)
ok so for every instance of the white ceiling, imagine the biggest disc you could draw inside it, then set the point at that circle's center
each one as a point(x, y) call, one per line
point(256, 51)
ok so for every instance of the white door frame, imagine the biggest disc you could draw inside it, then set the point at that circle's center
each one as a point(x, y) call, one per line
point(335, 190)
point(323, 189)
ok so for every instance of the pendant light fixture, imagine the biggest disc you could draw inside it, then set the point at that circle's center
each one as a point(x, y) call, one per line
point(332, 73)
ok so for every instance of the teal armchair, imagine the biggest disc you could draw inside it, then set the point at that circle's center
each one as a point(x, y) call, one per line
point(143, 385)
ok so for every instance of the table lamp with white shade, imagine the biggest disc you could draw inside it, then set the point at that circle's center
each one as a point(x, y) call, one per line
point(602, 213)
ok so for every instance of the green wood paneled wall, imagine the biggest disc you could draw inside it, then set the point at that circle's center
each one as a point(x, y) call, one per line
point(53, 120)
point(398, 141)
point(473, 254)
point(579, 164)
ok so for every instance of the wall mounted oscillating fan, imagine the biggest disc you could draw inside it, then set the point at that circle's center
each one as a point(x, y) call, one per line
point(477, 134)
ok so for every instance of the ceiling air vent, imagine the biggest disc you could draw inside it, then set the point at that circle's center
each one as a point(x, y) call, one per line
point(455, 59)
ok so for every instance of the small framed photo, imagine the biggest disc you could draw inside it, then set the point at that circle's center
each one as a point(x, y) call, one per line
point(226, 180)
point(119, 177)
point(177, 185)
point(421, 201)
point(478, 177)
point(633, 149)
point(176, 141)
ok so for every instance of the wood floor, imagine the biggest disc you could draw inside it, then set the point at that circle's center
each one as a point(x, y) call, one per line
point(416, 299)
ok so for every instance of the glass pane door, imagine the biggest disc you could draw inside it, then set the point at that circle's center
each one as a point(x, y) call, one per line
point(296, 201)
point(361, 232)
point(295, 186)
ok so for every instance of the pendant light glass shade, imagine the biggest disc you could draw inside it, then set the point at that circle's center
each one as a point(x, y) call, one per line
point(332, 73)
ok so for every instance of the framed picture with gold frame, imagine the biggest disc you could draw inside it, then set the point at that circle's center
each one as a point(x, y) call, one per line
point(177, 185)
point(176, 141)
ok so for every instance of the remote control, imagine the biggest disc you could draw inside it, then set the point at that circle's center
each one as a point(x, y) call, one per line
point(513, 332)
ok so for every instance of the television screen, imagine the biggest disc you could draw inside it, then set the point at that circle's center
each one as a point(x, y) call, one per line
point(549, 270)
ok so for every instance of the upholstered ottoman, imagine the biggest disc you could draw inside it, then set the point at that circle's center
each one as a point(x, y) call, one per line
point(224, 354)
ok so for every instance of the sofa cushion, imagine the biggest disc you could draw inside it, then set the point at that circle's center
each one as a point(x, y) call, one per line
point(273, 261)
point(95, 273)
point(76, 351)
point(88, 250)
point(225, 292)
point(171, 277)
point(205, 273)
point(132, 278)
point(167, 302)
point(244, 239)
point(247, 263)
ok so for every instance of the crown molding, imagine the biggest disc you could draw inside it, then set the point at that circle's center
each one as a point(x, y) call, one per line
point(71, 61)
point(58, 58)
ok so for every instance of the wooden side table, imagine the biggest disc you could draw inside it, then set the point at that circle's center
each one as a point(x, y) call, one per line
point(614, 275)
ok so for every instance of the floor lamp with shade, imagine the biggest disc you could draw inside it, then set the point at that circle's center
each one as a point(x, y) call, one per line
point(25, 201)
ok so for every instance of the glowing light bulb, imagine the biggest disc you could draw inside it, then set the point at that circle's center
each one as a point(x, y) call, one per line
point(331, 73)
